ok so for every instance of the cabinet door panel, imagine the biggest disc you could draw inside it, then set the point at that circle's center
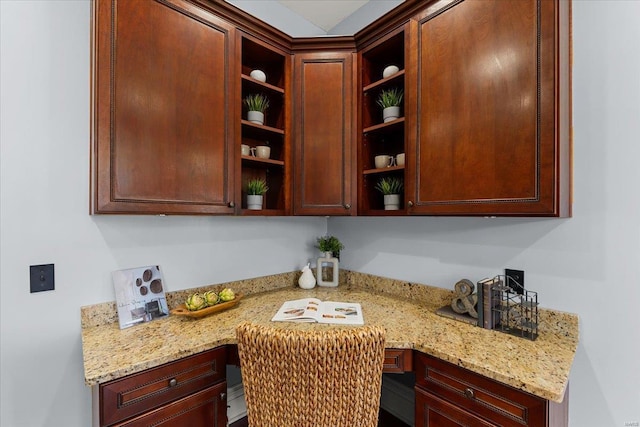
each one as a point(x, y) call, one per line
point(138, 393)
point(434, 412)
point(488, 126)
point(207, 408)
point(162, 131)
point(323, 134)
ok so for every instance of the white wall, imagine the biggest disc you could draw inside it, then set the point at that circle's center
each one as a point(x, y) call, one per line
point(279, 16)
point(44, 219)
point(589, 264)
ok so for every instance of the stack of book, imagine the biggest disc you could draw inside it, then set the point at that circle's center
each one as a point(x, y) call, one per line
point(489, 302)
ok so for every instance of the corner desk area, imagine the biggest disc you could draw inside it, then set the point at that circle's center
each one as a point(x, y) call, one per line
point(172, 371)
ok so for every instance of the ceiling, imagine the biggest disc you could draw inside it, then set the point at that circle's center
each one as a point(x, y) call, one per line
point(325, 14)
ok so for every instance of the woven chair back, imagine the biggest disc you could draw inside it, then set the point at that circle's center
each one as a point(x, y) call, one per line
point(317, 378)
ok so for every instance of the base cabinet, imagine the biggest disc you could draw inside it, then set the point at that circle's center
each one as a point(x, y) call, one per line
point(432, 411)
point(207, 408)
point(187, 392)
point(447, 395)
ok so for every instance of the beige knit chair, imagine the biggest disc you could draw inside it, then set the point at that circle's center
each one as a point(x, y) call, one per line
point(318, 378)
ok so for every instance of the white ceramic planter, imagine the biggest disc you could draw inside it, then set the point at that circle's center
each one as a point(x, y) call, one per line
point(390, 113)
point(255, 117)
point(391, 202)
point(259, 75)
point(390, 71)
point(254, 202)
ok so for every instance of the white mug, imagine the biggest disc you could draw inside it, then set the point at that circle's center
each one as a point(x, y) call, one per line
point(263, 151)
point(400, 159)
point(244, 150)
point(384, 161)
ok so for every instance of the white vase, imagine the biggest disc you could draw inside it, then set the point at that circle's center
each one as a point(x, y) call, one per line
point(390, 71)
point(391, 202)
point(327, 270)
point(255, 117)
point(259, 75)
point(254, 202)
point(390, 113)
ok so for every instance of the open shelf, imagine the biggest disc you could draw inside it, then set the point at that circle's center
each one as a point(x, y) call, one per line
point(266, 162)
point(257, 55)
point(378, 138)
point(387, 81)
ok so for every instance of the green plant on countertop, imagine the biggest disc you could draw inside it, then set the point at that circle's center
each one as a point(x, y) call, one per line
point(389, 185)
point(330, 244)
point(257, 187)
point(257, 102)
point(390, 98)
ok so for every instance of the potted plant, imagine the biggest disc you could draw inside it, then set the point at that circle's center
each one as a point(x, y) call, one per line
point(330, 244)
point(255, 192)
point(390, 100)
point(391, 188)
point(328, 264)
point(256, 104)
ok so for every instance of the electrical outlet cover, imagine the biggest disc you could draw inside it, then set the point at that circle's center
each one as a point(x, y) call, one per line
point(42, 278)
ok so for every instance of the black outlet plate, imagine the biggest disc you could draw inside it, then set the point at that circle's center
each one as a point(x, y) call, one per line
point(42, 278)
point(515, 280)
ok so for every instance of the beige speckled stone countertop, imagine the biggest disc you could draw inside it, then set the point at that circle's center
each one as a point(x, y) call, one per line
point(406, 310)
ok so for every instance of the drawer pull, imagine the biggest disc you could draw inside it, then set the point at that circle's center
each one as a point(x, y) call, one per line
point(469, 393)
point(173, 382)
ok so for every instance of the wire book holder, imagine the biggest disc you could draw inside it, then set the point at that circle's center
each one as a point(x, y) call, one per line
point(516, 309)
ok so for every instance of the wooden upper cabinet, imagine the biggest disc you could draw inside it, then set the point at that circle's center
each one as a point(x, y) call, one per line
point(493, 109)
point(162, 118)
point(324, 149)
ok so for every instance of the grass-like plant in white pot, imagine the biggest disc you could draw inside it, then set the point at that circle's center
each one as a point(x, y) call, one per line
point(391, 188)
point(257, 104)
point(330, 245)
point(256, 188)
point(390, 101)
point(327, 267)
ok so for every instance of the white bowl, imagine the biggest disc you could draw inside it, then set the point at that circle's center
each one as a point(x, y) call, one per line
point(259, 75)
point(390, 71)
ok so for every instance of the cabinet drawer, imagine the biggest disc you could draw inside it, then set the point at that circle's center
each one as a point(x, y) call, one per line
point(433, 411)
point(479, 395)
point(204, 408)
point(397, 360)
point(138, 393)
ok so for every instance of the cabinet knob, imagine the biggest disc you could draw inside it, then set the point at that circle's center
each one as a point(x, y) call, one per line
point(232, 205)
point(173, 382)
point(410, 203)
point(347, 206)
point(469, 393)
point(223, 396)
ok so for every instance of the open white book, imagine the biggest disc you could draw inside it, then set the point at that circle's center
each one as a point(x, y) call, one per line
point(315, 310)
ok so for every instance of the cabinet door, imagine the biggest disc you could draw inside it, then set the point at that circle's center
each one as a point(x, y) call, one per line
point(161, 119)
point(207, 408)
point(434, 412)
point(493, 110)
point(324, 133)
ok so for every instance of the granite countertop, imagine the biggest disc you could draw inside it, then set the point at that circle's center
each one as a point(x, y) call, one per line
point(406, 310)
